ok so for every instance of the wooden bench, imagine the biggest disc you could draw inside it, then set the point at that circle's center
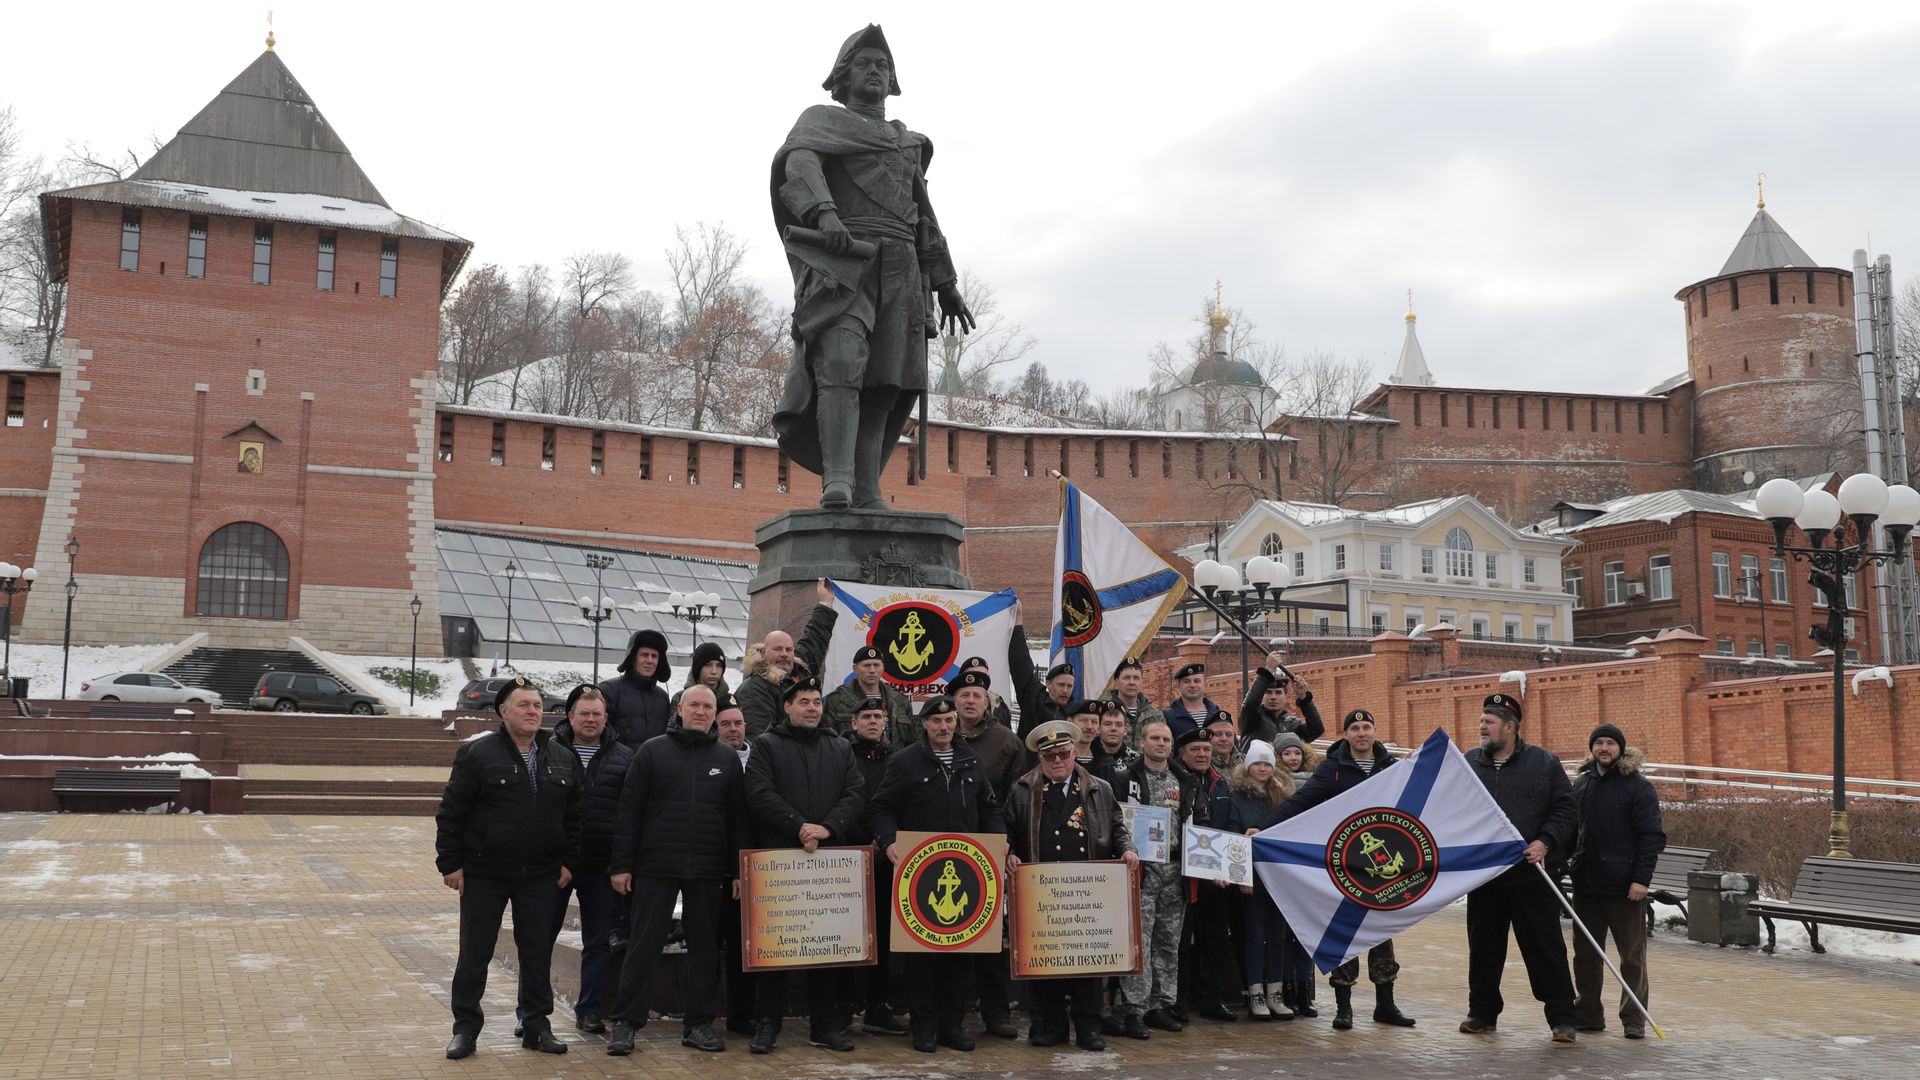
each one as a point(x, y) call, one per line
point(1848, 892)
point(1669, 884)
point(114, 789)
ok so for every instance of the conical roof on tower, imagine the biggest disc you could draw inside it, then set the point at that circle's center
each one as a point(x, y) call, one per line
point(260, 149)
point(1765, 246)
point(1412, 368)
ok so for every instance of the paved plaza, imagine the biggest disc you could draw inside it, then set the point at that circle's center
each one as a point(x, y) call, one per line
point(261, 946)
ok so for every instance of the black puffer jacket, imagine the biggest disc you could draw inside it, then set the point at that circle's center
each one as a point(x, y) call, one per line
point(921, 795)
point(600, 797)
point(490, 819)
point(803, 775)
point(872, 758)
point(1334, 775)
point(1532, 790)
point(1621, 835)
point(682, 809)
point(637, 706)
point(1257, 722)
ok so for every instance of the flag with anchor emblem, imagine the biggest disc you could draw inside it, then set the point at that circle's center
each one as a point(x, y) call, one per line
point(922, 635)
point(1110, 592)
point(1393, 849)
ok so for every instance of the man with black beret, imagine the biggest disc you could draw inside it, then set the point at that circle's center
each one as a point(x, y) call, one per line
point(1191, 709)
point(1085, 715)
point(1060, 812)
point(1277, 703)
point(1621, 838)
point(1002, 760)
point(1350, 761)
point(1042, 699)
point(508, 832)
point(637, 704)
point(1133, 704)
point(997, 705)
point(1209, 970)
point(1531, 787)
point(803, 790)
point(869, 667)
point(869, 987)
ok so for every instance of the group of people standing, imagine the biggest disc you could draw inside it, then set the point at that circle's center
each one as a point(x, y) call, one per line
point(638, 801)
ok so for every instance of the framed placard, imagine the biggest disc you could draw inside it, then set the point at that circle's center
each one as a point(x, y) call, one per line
point(1151, 828)
point(949, 892)
point(806, 910)
point(1073, 919)
point(1217, 855)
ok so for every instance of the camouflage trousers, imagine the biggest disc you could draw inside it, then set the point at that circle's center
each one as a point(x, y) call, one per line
point(1163, 905)
point(1382, 968)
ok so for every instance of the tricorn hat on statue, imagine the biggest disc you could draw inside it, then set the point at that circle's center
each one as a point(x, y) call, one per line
point(871, 37)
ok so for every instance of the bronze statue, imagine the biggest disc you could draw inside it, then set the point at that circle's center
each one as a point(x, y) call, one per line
point(850, 201)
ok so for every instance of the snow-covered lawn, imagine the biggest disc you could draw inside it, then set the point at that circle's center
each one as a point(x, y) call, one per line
point(557, 676)
point(41, 664)
point(1847, 941)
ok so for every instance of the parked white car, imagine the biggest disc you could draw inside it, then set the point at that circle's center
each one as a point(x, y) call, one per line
point(144, 686)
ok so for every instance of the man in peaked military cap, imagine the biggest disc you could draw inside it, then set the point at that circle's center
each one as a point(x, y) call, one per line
point(860, 284)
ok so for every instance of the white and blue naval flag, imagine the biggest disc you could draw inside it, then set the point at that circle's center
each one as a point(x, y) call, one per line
point(1110, 592)
point(922, 634)
point(1372, 861)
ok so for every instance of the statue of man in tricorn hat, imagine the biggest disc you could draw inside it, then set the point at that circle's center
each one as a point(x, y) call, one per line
point(868, 258)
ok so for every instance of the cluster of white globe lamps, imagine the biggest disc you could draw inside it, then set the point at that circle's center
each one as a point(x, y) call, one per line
point(1263, 574)
point(1863, 497)
point(695, 603)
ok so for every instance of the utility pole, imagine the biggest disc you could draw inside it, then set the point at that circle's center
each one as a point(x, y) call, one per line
point(1884, 423)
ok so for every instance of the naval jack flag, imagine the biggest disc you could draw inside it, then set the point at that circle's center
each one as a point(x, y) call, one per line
point(922, 634)
point(1110, 592)
point(1393, 849)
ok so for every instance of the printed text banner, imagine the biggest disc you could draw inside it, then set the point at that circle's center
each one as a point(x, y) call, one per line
point(1073, 919)
point(801, 910)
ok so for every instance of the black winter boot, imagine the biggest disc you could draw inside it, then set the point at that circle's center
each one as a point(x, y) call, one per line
point(1303, 1001)
point(1384, 1011)
point(1343, 1008)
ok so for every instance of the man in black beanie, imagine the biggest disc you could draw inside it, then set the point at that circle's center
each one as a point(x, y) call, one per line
point(1621, 839)
point(637, 705)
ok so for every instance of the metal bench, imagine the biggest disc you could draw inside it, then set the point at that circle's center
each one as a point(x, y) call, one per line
point(1859, 893)
point(114, 789)
point(1669, 884)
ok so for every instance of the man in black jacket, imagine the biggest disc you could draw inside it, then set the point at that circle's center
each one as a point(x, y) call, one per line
point(870, 738)
point(1621, 838)
point(1350, 761)
point(777, 660)
point(803, 790)
point(1277, 703)
point(1531, 788)
point(1042, 700)
point(681, 826)
point(1209, 972)
point(1192, 707)
point(603, 763)
point(637, 705)
point(508, 831)
point(936, 785)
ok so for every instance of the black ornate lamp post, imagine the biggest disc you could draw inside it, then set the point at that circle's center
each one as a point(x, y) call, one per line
point(413, 663)
point(73, 588)
point(596, 614)
point(695, 608)
point(511, 570)
point(13, 579)
point(1221, 585)
point(1864, 499)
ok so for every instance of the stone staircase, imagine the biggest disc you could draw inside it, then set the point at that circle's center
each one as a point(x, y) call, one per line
point(234, 673)
point(356, 756)
point(343, 795)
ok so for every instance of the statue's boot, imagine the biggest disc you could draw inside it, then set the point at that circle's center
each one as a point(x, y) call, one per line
point(839, 418)
point(870, 456)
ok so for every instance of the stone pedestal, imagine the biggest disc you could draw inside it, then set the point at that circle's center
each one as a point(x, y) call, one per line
point(886, 547)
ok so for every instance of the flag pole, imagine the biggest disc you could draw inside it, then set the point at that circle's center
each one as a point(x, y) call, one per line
point(1604, 958)
point(1235, 623)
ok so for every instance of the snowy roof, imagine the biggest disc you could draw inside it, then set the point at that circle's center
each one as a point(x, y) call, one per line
point(603, 425)
point(1765, 246)
point(1310, 514)
point(1663, 507)
point(1668, 385)
point(307, 209)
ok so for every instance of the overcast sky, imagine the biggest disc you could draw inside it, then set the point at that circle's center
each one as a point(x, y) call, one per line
point(1543, 176)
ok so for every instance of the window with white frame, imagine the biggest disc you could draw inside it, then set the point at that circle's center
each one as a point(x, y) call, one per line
point(1572, 578)
point(1725, 646)
point(1426, 561)
point(1660, 577)
point(1543, 630)
point(1613, 578)
point(1339, 557)
point(1493, 566)
point(1459, 553)
point(1782, 651)
point(1722, 574)
point(1300, 565)
point(1777, 580)
point(1451, 618)
point(1510, 628)
point(1413, 620)
point(1386, 557)
point(1750, 576)
point(1527, 572)
point(1755, 648)
point(1480, 624)
point(1270, 545)
point(1324, 623)
point(1377, 618)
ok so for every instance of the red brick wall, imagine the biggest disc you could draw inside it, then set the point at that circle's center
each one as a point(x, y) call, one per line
point(25, 461)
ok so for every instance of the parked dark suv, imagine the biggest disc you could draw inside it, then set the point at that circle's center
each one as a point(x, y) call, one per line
point(477, 696)
point(293, 691)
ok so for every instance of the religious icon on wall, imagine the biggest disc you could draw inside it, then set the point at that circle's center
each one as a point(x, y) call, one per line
point(253, 457)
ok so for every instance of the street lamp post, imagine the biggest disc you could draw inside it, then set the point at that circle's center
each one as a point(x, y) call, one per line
point(596, 615)
point(413, 663)
point(73, 588)
point(13, 579)
point(1864, 498)
point(1222, 585)
point(695, 608)
point(511, 570)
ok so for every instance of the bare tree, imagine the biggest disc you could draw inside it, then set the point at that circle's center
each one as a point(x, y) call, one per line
point(475, 330)
point(33, 305)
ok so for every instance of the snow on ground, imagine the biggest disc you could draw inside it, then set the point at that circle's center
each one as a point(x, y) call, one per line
point(41, 664)
point(557, 676)
point(1849, 942)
